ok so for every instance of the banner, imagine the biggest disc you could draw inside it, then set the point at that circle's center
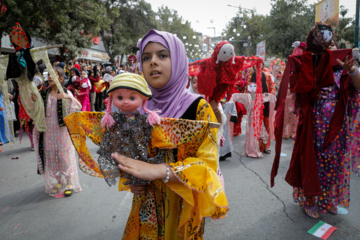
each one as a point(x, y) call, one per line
point(261, 49)
point(327, 11)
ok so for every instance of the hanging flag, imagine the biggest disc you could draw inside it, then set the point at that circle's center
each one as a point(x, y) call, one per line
point(322, 230)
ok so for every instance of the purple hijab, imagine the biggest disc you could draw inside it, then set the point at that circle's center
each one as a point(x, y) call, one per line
point(173, 99)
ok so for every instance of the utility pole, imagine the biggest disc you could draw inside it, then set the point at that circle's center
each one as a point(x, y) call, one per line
point(356, 37)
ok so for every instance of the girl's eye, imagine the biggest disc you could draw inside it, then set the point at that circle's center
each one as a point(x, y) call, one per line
point(163, 56)
point(120, 97)
point(146, 58)
point(132, 98)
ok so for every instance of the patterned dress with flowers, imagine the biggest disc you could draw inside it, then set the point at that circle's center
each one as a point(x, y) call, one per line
point(60, 172)
point(175, 210)
point(333, 162)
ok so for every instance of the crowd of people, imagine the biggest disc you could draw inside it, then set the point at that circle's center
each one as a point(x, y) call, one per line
point(157, 94)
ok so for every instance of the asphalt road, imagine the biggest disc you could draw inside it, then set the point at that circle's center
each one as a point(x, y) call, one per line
point(100, 212)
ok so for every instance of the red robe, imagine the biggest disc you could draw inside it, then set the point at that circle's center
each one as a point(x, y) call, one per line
point(307, 81)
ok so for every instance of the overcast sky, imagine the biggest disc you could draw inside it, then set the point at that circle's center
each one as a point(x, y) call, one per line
point(204, 15)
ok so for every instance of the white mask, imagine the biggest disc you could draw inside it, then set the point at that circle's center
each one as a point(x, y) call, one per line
point(327, 35)
point(252, 87)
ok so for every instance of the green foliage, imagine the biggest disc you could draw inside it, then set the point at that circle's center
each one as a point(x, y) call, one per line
point(289, 21)
point(247, 27)
point(346, 29)
point(169, 20)
point(129, 21)
point(72, 23)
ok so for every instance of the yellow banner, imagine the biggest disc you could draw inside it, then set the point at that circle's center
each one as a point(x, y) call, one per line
point(327, 11)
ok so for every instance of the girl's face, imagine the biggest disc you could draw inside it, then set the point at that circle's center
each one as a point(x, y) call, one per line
point(332, 45)
point(72, 73)
point(156, 64)
point(127, 101)
point(83, 74)
point(51, 80)
point(194, 84)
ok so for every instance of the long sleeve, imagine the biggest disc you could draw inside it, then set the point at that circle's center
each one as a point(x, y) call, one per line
point(243, 98)
point(199, 185)
point(72, 105)
point(233, 112)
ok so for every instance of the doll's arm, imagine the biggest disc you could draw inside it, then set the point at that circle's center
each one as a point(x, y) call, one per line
point(241, 98)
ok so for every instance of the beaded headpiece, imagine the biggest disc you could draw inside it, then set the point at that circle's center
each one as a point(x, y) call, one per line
point(19, 38)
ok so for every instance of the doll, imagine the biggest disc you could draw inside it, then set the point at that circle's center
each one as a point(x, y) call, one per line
point(320, 163)
point(253, 146)
point(127, 131)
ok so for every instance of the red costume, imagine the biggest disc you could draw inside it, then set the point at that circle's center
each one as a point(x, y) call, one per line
point(307, 81)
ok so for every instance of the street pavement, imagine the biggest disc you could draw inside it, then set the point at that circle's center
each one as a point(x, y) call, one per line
point(100, 212)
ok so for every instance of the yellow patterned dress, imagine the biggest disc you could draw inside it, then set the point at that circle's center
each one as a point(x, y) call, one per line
point(175, 210)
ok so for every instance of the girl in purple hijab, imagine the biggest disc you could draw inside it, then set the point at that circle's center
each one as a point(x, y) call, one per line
point(185, 189)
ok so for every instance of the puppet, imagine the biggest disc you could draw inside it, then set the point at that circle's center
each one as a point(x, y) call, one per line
point(127, 131)
point(21, 66)
point(320, 165)
point(219, 72)
point(252, 146)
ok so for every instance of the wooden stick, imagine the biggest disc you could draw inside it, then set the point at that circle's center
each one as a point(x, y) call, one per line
point(50, 46)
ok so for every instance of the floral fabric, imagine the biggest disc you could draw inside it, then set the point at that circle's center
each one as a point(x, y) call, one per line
point(179, 206)
point(5, 102)
point(60, 171)
point(334, 161)
point(252, 146)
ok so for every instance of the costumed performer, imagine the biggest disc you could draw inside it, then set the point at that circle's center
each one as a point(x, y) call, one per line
point(54, 149)
point(241, 110)
point(267, 86)
point(22, 67)
point(320, 166)
point(231, 115)
point(252, 142)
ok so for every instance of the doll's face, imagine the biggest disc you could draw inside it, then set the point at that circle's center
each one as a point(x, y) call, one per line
point(252, 87)
point(127, 101)
point(226, 52)
point(327, 35)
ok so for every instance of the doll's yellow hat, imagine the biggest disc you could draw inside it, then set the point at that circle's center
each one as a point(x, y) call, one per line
point(130, 81)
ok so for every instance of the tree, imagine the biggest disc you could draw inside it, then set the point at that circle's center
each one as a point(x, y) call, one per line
point(246, 27)
point(169, 20)
point(72, 23)
point(130, 20)
point(289, 21)
point(346, 28)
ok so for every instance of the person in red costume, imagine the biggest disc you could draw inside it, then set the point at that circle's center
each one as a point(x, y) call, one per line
point(323, 81)
point(241, 110)
point(268, 86)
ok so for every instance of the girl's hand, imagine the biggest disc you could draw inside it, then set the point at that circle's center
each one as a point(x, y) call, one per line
point(138, 189)
point(348, 64)
point(140, 169)
point(10, 97)
point(63, 96)
point(33, 97)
